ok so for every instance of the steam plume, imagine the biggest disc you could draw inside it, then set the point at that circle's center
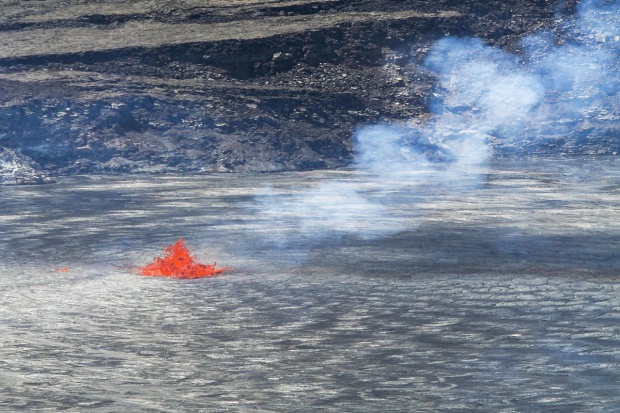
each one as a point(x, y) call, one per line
point(485, 97)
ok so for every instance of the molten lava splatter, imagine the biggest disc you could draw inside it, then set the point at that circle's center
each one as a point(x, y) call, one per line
point(179, 263)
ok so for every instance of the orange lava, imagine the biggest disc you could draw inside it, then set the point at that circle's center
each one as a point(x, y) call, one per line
point(63, 269)
point(178, 262)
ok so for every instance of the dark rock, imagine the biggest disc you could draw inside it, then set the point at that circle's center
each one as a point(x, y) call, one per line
point(262, 87)
point(282, 61)
point(16, 168)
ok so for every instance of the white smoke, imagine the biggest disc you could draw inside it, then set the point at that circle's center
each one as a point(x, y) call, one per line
point(579, 70)
point(484, 95)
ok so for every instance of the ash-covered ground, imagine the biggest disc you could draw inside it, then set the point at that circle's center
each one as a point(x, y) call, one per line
point(159, 86)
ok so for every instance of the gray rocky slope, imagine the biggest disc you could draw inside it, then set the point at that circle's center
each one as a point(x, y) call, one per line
point(120, 86)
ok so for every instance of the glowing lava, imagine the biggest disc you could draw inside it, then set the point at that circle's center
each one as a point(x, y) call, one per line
point(178, 262)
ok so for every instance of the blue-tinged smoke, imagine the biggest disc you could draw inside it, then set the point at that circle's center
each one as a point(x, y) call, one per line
point(485, 99)
point(578, 69)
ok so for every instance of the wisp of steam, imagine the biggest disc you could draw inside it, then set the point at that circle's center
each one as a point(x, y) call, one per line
point(484, 96)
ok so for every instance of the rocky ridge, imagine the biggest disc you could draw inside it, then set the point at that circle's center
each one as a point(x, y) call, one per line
point(252, 86)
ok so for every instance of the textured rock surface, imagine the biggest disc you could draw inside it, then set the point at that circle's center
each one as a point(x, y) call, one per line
point(123, 86)
point(505, 299)
point(19, 169)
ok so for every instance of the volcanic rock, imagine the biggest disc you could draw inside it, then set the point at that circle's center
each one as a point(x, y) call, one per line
point(16, 168)
point(151, 86)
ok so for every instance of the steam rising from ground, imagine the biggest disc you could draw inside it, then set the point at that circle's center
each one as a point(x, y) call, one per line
point(484, 95)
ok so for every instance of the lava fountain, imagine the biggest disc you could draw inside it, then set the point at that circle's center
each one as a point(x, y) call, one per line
point(178, 262)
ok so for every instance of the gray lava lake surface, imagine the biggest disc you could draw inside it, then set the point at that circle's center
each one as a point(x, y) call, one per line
point(500, 298)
